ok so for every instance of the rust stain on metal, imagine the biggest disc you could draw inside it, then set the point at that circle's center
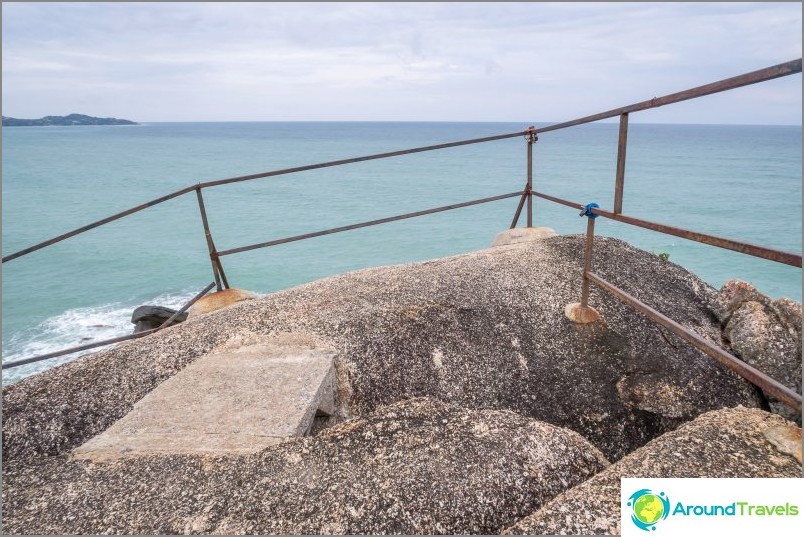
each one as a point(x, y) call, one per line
point(754, 77)
point(780, 256)
point(519, 208)
point(531, 137)
point(619, 180)
point(208, 237)
point(578, 312)
point(587, 260)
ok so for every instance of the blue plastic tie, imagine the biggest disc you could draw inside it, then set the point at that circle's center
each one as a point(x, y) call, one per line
point(587, 210)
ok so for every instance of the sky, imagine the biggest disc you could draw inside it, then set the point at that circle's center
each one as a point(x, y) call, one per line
point(519, 62)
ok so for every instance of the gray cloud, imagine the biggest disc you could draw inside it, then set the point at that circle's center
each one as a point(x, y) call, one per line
point(378, 61)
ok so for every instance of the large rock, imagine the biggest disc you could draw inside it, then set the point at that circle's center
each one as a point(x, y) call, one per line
point(732, 296)
point(418, 466)
point(148, 317)
point(482, 330)
point(736, 442)
point(765, 333)
point(757, 337)
point(519, 235)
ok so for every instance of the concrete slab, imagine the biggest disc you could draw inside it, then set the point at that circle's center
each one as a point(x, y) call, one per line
point(233, 402)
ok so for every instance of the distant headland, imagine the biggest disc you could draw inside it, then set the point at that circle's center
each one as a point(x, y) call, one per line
point(65, 121)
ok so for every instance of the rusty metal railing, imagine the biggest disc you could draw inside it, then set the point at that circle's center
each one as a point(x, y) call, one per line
point(583, 312)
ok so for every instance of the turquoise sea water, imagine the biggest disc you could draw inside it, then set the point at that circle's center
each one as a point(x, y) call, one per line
point(737, 181)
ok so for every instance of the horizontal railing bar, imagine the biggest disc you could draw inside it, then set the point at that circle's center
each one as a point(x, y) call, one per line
point(258, 176)
point(751, 374)
point(761, 75)
point(362, 159)
point(779, 256)
point(558, 200)
point(97, 223)
point(754, 77)
point(32, 359)
point(23, 361)
point(186, 306)
point(367, 224)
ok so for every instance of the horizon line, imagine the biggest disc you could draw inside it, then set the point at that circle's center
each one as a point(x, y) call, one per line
point(527, 123)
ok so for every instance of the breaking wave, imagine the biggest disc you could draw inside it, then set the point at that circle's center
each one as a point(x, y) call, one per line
point(76, 327)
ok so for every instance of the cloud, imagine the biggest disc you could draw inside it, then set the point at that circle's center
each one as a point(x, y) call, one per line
point(386, 61)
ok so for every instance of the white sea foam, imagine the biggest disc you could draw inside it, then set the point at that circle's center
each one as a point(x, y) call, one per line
point(76, 327)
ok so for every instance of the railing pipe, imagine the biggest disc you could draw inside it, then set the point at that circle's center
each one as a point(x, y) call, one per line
point(257, 176)
point(751, 374)
point(329, 164)
point(780, 256)
point(620, 178)
point(73, 350)
point(555, 199)
point(208, 236)
point(529, 188)
point(761, 75)
point(587, 260)
point(519, 207)
point(23, 361)
point(186, 306)
point(97, 223)
point(771, 254)
point(367, 224)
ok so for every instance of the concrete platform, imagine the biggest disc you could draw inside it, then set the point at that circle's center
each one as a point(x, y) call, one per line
point(234, 402)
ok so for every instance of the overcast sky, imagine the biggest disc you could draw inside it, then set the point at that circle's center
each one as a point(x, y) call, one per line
point(523, 62)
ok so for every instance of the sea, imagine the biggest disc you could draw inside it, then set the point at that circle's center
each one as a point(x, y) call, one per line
point(742, 182)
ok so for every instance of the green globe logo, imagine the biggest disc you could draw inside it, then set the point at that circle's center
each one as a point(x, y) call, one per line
point(648, 508)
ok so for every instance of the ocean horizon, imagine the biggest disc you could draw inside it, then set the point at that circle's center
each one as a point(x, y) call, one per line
point(737, 181)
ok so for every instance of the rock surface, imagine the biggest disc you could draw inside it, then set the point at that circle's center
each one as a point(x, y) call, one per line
point(519, 235)
point(732, 296)
point(765, 333)
point(722, 443)
point(482, 330)
point(418, 466)
point(148, 317)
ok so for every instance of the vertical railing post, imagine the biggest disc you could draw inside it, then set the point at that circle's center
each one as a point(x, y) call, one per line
point(529, 188)
point(620, 180)
point(217, 268)
point(527, 194)
point(582, 312)
point(587, 261)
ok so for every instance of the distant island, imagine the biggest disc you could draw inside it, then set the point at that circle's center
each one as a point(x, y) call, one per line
point(62, 121)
